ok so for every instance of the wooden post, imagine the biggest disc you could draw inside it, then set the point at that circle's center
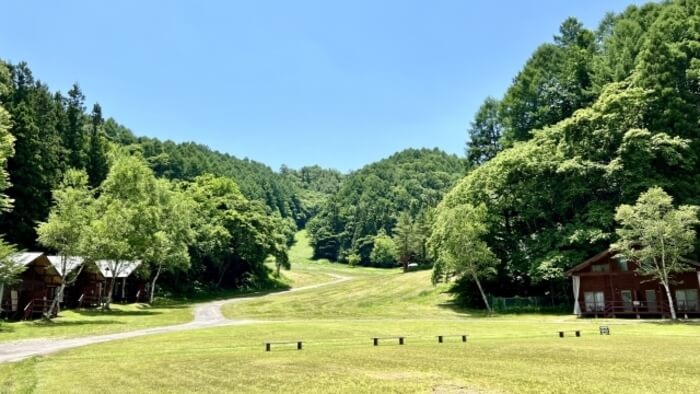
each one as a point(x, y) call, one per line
point(299, 345)
point(267, 347)
point(464, 338)
point(400, 340)
point(376, 341)
point(578, 333)
point(561, 334)
point(439, 338)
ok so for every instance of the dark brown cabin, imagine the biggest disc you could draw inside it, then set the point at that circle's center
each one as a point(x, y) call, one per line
point(87, 289)
point(35, 290)
point(128, 287)
point(606, 286)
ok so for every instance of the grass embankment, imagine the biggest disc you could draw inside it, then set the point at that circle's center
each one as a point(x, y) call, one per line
point(504, 353)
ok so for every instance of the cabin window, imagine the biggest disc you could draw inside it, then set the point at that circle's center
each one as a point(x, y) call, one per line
point(595, 301)
point(687, 300)
point(622, 264)
point(600, 268)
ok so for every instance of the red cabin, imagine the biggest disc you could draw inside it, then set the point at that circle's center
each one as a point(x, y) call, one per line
point(34, 291)
point(86, 290)
point(606, 286)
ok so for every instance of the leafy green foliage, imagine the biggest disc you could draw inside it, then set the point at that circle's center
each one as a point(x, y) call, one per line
point(372, 198)
point(602, 118)
point(657, 236)
point(458, 247)
point(383, 251)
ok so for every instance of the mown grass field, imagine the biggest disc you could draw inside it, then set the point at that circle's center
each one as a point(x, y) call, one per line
point(508, 353)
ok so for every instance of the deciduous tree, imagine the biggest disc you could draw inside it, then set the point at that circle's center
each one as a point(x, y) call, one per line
point(656, 236)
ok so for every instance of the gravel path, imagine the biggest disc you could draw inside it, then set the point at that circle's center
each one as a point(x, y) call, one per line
point(206, 315)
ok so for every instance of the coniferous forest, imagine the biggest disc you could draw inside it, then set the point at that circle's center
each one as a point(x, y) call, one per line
point(594, 118)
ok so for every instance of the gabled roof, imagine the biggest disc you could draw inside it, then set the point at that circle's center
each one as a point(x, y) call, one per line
point(125, 269)
point(607, 252)
point(25, 258)
point(72, 263)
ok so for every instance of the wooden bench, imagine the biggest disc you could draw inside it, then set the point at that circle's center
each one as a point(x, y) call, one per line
point(604, 330)
point(375, 340)
point(441, 337)
point(268, 345)
point(576, 333)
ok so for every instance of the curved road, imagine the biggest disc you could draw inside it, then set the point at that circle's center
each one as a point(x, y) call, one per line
point(205, 316)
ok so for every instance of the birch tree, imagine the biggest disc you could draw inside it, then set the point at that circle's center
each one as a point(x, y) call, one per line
point(656, 235)
point(66, 227)
point(126, 216)
point(169, 251)
point(456, 244)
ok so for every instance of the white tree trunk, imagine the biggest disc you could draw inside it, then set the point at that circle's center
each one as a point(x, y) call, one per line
point(481, 290)
point(153, 284)
point(56, 299)
point(670, 301)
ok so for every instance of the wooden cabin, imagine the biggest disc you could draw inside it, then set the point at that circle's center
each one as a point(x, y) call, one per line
point(87, 289)
point(129, 287)
point(35, 290)
point(608, 286)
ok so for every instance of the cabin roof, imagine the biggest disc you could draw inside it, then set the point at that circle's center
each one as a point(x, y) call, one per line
point(72, 263)
point(126, 268)
point(607, 252)
point(25, 258)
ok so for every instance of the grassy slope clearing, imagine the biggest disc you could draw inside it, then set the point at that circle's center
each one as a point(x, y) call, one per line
point(504, 353)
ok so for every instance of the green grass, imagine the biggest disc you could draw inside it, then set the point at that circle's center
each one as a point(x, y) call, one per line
point(74, 323)
point(506, 353)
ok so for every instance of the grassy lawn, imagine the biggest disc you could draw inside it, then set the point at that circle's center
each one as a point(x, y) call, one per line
point(507, 353)
point(73, 323)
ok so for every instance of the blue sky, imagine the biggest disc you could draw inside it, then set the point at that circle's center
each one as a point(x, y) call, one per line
point(339, 84)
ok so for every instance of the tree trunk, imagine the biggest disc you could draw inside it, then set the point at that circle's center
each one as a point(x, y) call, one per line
point(222, 272)
point(153, 284)
point(110, 291)
point(2, 292)
point(56, 300)
point(483, 295)
point(670, 301)
point(278, 269)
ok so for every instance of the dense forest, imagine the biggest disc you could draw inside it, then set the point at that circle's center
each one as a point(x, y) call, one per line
point(371, 199)
point(594, 119)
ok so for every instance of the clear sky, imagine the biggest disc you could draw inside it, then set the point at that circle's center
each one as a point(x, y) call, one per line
point(339, 84)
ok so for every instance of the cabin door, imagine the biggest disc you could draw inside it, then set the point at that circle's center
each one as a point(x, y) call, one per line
point(595, 301)
point(626, 300)
point(650, 296)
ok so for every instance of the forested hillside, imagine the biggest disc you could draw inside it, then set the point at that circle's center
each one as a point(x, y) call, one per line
point(54, 132)
point(370, 201)
point(592, 120)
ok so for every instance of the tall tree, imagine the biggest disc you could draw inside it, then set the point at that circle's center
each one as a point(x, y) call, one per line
point(405, 239)
point(656, 236)
point(75, 138)
point(174, 233)
point(458, 247)
point(9, 270)
point(66, 228)
point(126, 216)
point(97, 165)
point(485, 133)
